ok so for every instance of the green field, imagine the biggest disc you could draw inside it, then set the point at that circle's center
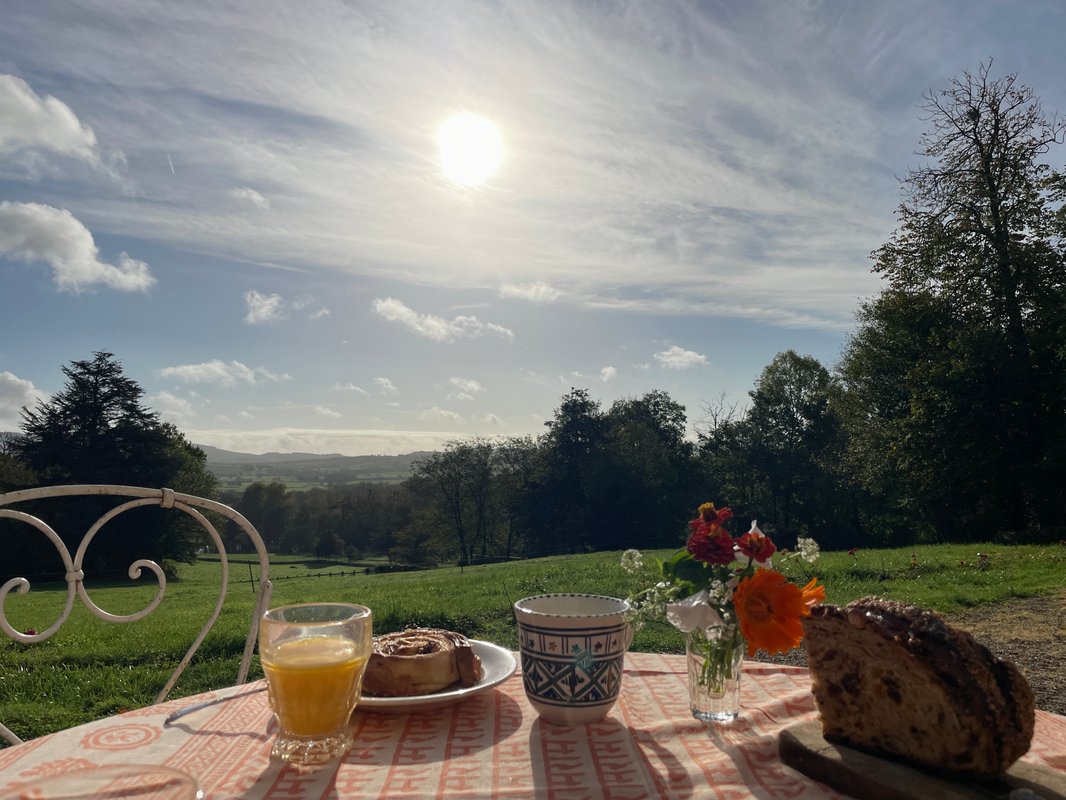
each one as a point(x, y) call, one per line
point(91, 669)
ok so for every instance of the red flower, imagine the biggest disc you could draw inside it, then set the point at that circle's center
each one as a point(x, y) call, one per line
point(709, 515)
point(853, 551)
point(756, 545)
point(710, 544)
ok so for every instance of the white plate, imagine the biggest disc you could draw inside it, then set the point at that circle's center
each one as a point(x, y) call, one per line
point(497, 665)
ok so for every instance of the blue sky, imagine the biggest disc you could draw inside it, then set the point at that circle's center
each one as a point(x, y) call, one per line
point(245, 202)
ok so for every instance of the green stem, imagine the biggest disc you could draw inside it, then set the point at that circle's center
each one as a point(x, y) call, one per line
point(720, 660)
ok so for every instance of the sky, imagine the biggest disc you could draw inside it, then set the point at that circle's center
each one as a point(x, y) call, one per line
point(253, 206)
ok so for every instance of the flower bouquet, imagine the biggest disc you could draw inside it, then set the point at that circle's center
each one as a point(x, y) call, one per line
point(725, 595)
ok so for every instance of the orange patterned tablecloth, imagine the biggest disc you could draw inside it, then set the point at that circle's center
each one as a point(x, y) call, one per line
point(491, 745)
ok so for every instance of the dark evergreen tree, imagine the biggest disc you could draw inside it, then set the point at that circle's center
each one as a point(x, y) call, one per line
point(95, 430)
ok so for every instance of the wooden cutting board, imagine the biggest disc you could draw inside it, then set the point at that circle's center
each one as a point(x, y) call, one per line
point(871, 778)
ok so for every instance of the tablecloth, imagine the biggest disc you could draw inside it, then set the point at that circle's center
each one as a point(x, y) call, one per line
point(491, 745)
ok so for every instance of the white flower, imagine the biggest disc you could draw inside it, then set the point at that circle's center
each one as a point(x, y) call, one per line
point(632, 561)
point(807, 549)
point(695, 611)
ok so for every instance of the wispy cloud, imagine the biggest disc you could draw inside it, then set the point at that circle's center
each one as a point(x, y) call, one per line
point(676, 357)
point(386, 387)
point(32, 232)
point(467, 388)
point(222, 373)
point(350, 387)
point(535, 292)
point(173, 408)
point(434, 327)
point(248, 195)
point(653, 183)
point(440, 414)
point(608, 373)
point(323, 411)
point(263, 307)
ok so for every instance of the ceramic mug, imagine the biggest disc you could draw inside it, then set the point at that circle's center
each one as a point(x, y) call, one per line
point(572, 647)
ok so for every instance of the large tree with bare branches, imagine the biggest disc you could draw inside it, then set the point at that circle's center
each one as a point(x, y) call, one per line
point(955, 377)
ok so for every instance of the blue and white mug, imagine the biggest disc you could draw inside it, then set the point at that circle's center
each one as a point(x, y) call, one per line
point(572, 648)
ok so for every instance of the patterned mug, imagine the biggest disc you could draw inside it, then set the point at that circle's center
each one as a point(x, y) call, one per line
point(572, 647)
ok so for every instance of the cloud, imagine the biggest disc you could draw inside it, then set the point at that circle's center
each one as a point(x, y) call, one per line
point(273, 307)
point(322, 411)
point(172, 408)
point(434, 327)
point(15, 393)
point(468, 387)
point(608, 373)
point(436, 413)
point(677, 358)
point(31, 121)
point(535, 292)
point(33, 232)
point(249, 195)
point(222, 373)
point(648, 185)
point(263, 307)
point(350, 387)
point(386, 387)
point(493, 420)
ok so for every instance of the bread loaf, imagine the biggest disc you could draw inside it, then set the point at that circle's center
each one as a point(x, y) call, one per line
point(899, 681)
point(420, 661)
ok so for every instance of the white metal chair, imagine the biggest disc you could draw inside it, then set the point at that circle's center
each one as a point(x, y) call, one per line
point(165, 498)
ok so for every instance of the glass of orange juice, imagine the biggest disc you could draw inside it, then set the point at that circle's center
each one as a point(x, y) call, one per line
point(314, 655)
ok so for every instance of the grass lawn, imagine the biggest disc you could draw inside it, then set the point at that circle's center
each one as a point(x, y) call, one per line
point(90, 669)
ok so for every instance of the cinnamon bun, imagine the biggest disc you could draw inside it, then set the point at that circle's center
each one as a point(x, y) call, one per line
point(420, 661)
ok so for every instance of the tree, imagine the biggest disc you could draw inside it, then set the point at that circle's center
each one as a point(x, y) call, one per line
point(961, 357)
point(268, 507)
point(95, 430)
point(13, 473)
point(779, 461)
point(461, 479)
point(649, 471)
point(567, 510)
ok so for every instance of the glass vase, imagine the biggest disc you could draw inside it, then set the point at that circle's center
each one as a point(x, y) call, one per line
point(715, 663)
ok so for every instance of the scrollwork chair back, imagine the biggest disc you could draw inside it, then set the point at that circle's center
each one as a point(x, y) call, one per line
point(74, 575)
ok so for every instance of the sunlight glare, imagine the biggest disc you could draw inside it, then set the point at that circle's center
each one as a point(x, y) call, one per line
point(470, 149)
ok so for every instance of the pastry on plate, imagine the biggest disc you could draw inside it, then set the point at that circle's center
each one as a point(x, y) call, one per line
point(420, 661)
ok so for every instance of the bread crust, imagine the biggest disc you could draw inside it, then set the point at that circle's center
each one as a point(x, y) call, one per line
point(420, 661)
point(897, 680)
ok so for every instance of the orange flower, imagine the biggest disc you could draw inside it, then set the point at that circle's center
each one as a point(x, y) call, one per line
point(769, 609)
point(813, 594)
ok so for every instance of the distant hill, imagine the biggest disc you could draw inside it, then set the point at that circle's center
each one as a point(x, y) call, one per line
point(217, 455)
point(303, 470)
point(306, 470)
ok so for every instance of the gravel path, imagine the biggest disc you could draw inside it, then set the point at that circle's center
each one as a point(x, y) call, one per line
point(1030, 631)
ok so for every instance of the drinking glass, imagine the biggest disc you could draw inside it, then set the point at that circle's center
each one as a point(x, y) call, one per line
point(314, 655)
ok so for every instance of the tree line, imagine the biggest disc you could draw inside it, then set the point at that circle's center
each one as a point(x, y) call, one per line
point(944, 419)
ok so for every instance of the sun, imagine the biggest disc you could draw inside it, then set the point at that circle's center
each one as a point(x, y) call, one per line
point(470, 149)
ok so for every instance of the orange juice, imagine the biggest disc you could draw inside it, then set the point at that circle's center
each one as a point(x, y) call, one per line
point(314, 683)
